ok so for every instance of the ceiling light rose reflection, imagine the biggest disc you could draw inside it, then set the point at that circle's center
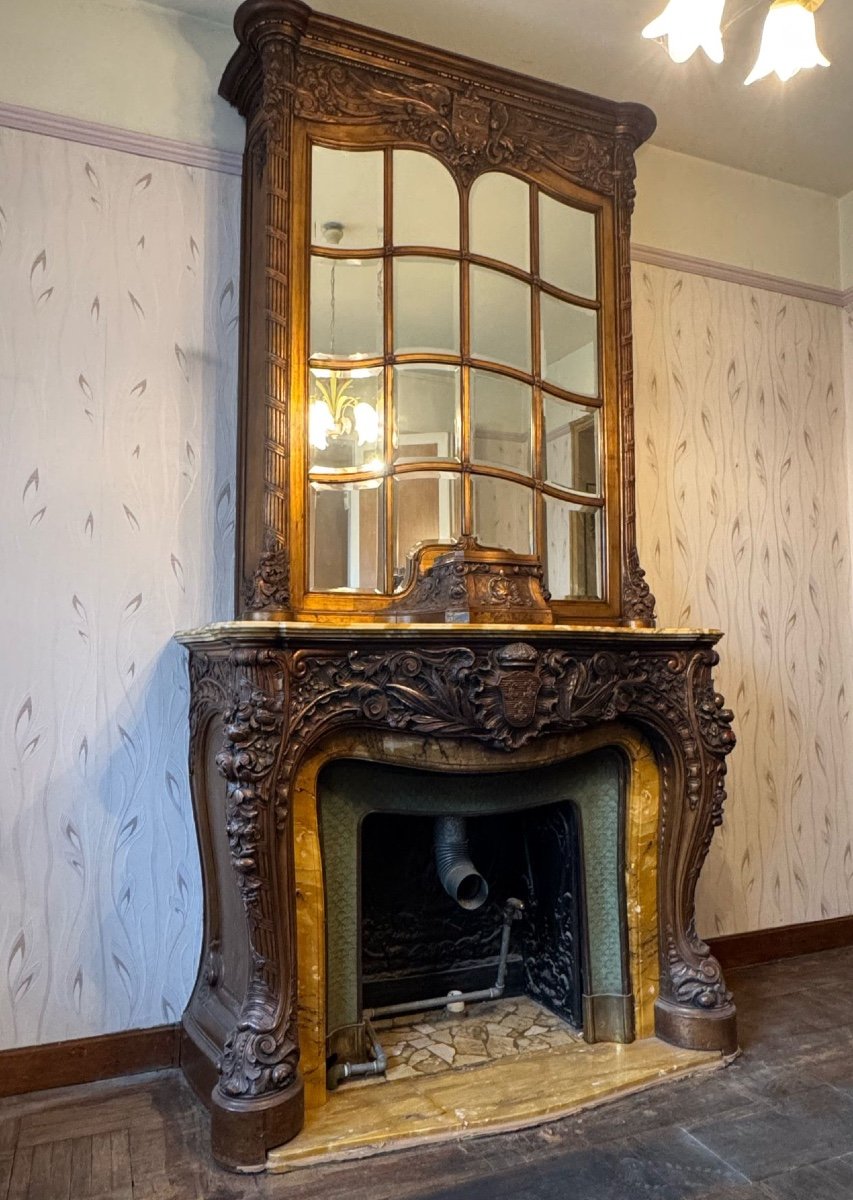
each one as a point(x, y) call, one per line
point(789, 41)
point(689, 24)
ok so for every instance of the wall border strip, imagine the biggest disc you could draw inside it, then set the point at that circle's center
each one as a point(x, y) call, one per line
point(110, 137)
point(744, 276)
point(86, 1060)
point(229, 162)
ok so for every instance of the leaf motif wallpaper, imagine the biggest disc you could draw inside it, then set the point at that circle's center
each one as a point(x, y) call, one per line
point(743, 525)
point(118, 314)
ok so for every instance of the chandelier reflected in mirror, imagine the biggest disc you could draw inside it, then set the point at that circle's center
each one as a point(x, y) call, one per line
point(788, 43)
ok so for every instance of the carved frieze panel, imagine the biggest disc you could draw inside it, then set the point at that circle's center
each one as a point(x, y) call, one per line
point(469, 128)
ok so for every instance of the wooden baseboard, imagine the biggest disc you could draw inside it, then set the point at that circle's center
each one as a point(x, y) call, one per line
point(85, 1060)
point(785, 941)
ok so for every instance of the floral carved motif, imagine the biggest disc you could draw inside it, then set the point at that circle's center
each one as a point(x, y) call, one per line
point(470, 129)
point(261, 1053)
point(269, 587)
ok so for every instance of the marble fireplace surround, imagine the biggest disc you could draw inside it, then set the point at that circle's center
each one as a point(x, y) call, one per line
point(621, 926)
point(273, 702)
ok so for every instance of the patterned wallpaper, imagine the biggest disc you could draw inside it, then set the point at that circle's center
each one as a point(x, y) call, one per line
point(743, 525)
point(117, 385)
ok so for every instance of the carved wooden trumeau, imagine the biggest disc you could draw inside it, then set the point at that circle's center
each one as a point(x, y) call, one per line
point(301, 78)
point(462, 642)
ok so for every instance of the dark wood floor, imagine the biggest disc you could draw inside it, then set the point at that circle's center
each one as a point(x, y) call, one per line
point(777, 1124)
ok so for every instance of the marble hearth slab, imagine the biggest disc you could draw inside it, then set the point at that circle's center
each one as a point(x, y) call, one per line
point(510, 1093)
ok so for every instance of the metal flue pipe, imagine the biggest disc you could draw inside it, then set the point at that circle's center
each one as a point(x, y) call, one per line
point(459, 877)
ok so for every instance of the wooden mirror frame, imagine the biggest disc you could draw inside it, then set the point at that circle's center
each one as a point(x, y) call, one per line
point(299, 77)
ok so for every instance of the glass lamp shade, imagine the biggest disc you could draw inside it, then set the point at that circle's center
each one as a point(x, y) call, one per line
point(688, 25)
point(789, 41)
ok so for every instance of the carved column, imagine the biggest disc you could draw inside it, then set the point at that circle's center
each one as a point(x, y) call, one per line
point(257, 1101)
point(272, 32)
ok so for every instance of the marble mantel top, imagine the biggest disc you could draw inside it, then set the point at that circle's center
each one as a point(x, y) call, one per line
point(284, 632)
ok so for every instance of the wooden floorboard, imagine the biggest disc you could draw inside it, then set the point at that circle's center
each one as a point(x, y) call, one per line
point(776, 1124)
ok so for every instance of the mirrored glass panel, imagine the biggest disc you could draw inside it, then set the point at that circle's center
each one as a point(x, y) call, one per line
point(346, 308)
point(345, 420)
point(501, 421)
point(347, 198)
point(426, 202)
point(572, 550)
point(503, 514)
point(569, 346)
point(346, 537)
point(571, 437)
point(500, 318)
point(426, 403)
point(567, 256)
point(500, 219)
point(427, 508)
point(426, 305)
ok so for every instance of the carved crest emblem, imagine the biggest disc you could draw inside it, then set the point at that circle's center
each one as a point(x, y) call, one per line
point(469, 122)
point(519, 692)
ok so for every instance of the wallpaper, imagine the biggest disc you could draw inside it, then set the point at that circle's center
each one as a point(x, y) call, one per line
point(743, 525)
point(118, 311)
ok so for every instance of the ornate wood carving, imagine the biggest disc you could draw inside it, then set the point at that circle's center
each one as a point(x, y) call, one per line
point(294, 65)
point(286, 696)
point(472, 130)
point(474, 583)
point(261, 1053)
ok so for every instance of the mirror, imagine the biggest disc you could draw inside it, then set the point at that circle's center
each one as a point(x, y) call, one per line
point(573, 550)
point(427, 508)
point(426, 202)
point(346, 308)
point(347, 198)
point(503, 513)
point(501, 422)
point(569, 346)
point(571, 436)
point(346, 524)
point(345, 420)
point(426, 403)
point(500, 219)
point(426, 305)
point(500, 318)
point(567, 247)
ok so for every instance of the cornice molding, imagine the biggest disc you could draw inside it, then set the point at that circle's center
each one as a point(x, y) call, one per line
point(110, 137)
point(743, 276)
point(229, 162)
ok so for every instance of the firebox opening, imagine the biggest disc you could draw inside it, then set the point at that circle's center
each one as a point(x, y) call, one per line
point(548, 839)
point(418, 942)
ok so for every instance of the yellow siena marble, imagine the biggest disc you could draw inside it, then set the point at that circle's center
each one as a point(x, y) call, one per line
point(641, 831)
point(510, 1093)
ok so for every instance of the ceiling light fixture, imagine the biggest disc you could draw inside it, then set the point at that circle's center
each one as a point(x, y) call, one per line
point(788, 43)
point(687, 25)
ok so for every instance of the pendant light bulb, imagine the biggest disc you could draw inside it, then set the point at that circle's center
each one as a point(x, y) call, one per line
point(688, 25)
point(789, 40)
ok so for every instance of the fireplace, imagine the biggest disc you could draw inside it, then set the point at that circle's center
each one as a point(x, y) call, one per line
point(444, 634)
point(550, 838)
